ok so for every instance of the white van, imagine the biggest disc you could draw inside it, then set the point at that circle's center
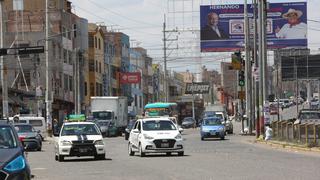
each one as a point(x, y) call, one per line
point(37, 122)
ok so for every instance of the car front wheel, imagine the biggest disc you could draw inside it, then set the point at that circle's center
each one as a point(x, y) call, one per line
point(142, 154)
point(131, 153)
point(60, 158)
point(181, 153)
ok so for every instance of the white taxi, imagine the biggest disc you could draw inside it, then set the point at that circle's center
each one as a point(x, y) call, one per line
point(79, 139)
point(155, 135)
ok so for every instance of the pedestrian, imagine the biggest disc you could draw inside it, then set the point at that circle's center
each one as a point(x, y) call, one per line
point(268, 133)
point(55, 126)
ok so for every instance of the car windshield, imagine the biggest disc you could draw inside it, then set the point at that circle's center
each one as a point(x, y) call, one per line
point(23, 128)
point(310, 115)
point(209, 113)
point(7, 138)
point(211, 121)
point(79, 129)
point(103, 123)
point(158, 125)
point(104, 115)
point(188, 120)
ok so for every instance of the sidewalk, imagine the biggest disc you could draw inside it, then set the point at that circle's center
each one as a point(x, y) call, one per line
point(287, 145)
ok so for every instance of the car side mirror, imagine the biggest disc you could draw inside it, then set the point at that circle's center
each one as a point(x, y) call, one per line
point(181, 130)
point(135, 131)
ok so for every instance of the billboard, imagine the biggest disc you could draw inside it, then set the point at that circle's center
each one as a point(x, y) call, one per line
point(222, 26)
point(300, 67)
point(198, 88)
point(130, 78)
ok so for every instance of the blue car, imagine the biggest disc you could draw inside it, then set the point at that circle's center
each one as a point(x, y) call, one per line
point(212, 127)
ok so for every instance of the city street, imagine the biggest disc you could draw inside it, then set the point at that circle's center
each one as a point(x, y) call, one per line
point(233, 158)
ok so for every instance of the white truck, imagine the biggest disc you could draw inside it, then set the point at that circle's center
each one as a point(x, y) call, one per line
point(111, 108)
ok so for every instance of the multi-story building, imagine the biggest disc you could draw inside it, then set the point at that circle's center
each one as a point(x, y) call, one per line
point(25, 26)
point(137, 63)
point(94, 87)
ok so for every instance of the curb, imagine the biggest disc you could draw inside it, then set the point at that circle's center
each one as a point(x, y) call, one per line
point(285, 145)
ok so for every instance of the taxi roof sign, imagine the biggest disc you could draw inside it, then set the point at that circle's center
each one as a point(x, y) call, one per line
point(76, 117)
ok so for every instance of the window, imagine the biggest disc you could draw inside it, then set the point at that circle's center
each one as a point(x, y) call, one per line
point(91, 66)
point(85, 89)
point(91, 41)
point(96, 66)
point(53, 50)
point(66, 82)
point(69, 34)
point(91, 89)
point(64, 31)
point(97, 89)
point(70, 58)
point(35, 122)
point(99, 43)
point(65, 56)
point(74, 30)
point(95, 42)
point(70, 83)
point(99, 67)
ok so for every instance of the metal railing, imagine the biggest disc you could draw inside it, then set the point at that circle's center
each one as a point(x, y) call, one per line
point(306, 133)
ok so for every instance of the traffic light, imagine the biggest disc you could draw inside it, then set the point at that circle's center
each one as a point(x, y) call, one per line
point(241, 78)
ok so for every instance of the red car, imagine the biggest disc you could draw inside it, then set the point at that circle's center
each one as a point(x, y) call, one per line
point(273, 110)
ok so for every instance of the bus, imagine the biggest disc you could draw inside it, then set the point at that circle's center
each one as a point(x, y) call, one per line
point(162, 109)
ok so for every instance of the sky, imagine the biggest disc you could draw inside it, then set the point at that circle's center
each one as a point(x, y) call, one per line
point(143, 21)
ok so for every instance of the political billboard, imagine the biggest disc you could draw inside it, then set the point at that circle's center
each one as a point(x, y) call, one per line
point(130, 78)
point(222, 26)
point(197, 88)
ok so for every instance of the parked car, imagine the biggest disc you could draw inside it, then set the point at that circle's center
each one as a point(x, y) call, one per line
point(273, 109)
point(314, 104)
point(308, 116)
point(128, 129)
point(225, 121)
point(13, 163)
point(38, 123)
point(30, 138)
point(188, 122)
point(79, 139)
point(155, 135)
point(212, 127)
point(107, 128)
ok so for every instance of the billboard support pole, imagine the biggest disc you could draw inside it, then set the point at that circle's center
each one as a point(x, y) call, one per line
point(247, 68)
point(255, 59)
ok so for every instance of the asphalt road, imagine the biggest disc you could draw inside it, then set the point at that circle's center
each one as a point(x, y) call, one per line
point(233, 158)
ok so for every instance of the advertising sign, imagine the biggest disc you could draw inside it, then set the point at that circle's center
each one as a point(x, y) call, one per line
point(222, 26)
point(197, 88)
point(130, 78)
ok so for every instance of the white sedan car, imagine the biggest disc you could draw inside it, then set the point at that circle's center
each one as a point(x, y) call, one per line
point(155, 135)
point(79, 139)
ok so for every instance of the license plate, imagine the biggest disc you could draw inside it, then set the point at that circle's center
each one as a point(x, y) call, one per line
point(164, 145)
point(212, 132)
point(83, 150)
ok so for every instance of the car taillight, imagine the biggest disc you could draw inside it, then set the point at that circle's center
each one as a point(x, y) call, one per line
point(21, 138)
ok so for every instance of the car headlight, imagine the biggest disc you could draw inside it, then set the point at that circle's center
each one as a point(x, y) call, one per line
point(17, 164)
point(99, 142)
point(65, 143)
point(147, 136)
point(178, 136)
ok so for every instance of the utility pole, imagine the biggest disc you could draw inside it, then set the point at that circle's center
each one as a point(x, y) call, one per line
point(193, 112)
point(247, 67)
point(5, 106)
point(48, 79)
point(165, 60)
